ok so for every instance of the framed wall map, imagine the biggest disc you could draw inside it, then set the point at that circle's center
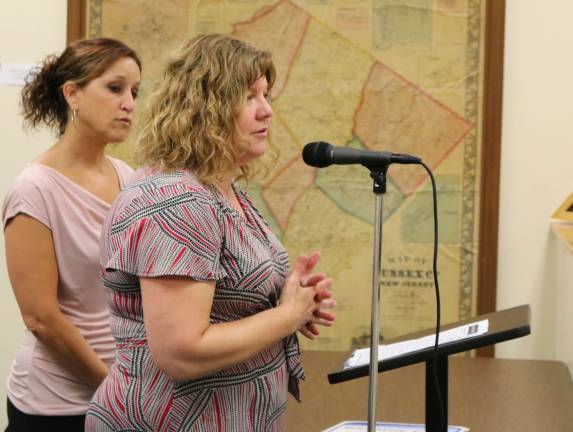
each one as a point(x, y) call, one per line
point(410, 76)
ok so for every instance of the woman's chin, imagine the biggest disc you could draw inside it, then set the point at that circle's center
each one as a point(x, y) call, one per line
point(117, 138)
point(251, 155)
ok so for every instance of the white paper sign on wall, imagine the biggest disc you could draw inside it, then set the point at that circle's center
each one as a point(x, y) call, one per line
point(14, 74)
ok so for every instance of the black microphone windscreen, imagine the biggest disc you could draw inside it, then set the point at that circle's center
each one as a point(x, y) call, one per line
point(317, 154)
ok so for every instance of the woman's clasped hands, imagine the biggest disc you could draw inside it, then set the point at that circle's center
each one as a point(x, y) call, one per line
point(308, 296)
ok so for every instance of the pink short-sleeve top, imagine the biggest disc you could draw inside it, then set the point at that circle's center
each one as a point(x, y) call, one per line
point(37, 384)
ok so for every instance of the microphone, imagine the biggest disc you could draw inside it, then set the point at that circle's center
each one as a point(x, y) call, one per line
point(320, 154)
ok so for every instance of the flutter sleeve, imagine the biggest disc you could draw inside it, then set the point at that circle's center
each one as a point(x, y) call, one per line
point(170, 232)
point(25, 196)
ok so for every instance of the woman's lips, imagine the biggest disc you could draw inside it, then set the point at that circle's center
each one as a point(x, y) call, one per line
point(261, 132)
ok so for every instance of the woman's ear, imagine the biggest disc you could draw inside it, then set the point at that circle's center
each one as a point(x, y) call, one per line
point(70, 91)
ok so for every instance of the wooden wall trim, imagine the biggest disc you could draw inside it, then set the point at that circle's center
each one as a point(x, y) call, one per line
point(491, 156)
point(76, 22)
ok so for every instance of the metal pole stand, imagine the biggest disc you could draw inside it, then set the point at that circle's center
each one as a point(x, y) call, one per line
point(378, 174)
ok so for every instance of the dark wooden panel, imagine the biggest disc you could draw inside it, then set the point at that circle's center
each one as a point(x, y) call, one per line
point(77, 18)
point(491, 155)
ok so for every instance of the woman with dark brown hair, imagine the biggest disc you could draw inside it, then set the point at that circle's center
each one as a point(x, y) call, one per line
point(52, 217)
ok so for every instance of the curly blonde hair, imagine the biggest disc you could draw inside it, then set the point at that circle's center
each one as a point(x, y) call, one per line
point(191, 116)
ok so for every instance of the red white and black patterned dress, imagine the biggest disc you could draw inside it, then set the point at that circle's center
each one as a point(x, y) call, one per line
point(170, 224)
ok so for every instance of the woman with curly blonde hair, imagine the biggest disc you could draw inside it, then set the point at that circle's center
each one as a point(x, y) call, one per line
point(204, 307)
point(191, 118)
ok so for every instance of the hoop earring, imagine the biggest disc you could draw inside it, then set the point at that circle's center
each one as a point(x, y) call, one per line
point(74, 116)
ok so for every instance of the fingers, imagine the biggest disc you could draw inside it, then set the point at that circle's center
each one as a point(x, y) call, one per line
point(324, 301)
point(324, 285)
point(327, 304)
point(312, 329)
point(312, 260)
point(310, 264)
point(300, 266)
point(313, 280)
point(297, 271)
point(292, 284)
point(309, 330)
point(307, 333)
point(323, 295)
point(317, 291)
point(321, 315)
point(323, 318)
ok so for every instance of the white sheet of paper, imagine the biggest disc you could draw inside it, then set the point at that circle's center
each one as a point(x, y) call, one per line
point(362, 426)
point(361, 356)
point(14, 74)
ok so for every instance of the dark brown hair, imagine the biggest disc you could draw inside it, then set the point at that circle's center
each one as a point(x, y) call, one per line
point(81, 62)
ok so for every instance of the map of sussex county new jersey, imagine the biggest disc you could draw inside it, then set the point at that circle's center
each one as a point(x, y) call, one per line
point(380, 75)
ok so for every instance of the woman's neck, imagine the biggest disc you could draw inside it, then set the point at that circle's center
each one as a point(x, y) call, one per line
point(225, 184)
point(81, 151)
point(225, 187)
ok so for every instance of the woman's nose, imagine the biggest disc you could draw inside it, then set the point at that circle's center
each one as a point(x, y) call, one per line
point(128, 102)
point(266, 109)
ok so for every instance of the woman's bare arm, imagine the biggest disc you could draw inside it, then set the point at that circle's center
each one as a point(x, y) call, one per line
point(185, 345)
point(33, 272)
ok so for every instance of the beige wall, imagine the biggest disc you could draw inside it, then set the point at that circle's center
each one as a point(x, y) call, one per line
point(536, 154)
point(536, 165)
point(29, 30)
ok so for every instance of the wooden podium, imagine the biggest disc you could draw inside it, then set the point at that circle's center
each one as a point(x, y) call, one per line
point(503, 325)
point(485, 394)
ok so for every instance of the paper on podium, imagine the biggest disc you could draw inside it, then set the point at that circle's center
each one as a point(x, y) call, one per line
point(361, 356)
point(361, 426)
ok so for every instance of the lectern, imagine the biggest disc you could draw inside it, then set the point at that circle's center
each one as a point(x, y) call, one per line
point(504, 325)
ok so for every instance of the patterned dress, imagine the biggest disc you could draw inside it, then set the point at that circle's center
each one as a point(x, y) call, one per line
point(169, 224)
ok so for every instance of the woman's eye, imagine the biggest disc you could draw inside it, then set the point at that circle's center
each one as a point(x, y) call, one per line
point(134, 93)
point(115, 88)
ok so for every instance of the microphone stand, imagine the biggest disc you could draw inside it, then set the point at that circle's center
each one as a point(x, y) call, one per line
point(378, 174)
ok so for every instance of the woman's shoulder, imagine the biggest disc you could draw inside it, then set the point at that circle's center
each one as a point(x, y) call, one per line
point(161, 184)
point(32, 192)
point(151, 191)
point(124, 171)
point(34, 177)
